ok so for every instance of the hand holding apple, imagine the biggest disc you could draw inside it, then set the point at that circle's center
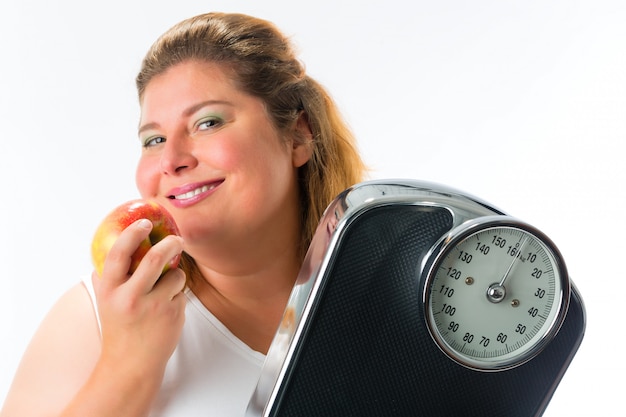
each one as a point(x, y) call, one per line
point(120, 218)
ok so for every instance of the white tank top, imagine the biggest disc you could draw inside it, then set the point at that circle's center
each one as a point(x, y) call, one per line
point(210, 373)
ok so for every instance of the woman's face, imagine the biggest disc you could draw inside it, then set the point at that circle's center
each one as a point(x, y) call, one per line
point(211, 155)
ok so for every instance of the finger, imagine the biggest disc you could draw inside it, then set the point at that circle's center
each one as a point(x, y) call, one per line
point(151, 266)
point(119, 258)
point(171, 284)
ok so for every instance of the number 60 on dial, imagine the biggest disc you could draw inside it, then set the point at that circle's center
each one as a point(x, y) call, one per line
point(496, 293)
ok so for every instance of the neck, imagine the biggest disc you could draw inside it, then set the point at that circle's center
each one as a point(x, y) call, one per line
point(250, 305)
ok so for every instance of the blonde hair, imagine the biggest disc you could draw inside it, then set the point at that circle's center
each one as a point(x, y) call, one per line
point(262, 63)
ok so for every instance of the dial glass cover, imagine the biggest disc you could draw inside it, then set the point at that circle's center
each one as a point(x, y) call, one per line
point(496, 294)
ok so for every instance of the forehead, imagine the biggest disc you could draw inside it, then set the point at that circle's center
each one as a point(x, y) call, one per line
point(187, 77)
point(170, 94)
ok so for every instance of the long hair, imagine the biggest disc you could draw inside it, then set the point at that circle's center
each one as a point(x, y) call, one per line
point(263, 63)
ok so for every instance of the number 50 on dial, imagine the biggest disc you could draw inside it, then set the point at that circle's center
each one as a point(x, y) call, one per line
point(496, 293)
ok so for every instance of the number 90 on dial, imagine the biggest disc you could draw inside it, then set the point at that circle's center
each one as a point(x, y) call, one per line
point(496, 293)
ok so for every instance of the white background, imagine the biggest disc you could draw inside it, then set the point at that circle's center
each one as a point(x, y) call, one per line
point(520, 103)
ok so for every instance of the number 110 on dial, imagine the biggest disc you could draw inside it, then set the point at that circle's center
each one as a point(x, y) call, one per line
point(496, 294)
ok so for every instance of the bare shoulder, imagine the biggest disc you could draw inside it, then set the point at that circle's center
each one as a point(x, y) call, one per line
point(59, 358)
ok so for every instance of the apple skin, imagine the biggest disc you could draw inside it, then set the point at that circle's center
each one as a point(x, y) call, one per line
point(120, 218)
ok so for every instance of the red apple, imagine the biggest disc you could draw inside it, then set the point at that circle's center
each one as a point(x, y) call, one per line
point(120, 218)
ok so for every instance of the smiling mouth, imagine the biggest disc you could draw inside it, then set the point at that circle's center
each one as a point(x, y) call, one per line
point(193, 193)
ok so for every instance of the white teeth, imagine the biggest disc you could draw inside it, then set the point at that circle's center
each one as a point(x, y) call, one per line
point(195, 192)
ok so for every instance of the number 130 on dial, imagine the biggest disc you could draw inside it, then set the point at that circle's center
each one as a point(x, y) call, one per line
point(496, 293)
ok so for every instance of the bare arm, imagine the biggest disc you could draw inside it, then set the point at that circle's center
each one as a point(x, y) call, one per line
point(58, 360)
point(69, 370)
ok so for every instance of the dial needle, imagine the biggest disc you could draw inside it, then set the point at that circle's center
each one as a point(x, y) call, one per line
point(517, 254)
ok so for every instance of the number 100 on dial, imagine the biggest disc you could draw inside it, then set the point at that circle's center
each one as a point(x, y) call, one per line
point(496, 294)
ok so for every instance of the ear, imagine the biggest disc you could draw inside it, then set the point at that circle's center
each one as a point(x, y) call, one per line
point(302, 141)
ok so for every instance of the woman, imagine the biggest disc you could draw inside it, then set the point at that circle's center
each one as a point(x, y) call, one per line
point(246, 151)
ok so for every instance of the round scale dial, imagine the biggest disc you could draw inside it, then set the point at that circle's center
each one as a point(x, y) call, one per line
point(496, 294)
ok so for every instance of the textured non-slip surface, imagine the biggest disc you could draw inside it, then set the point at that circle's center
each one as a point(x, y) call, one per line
point(366, 350)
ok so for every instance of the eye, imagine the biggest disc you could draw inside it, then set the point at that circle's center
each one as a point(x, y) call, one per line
point(209, 123)
point(153, 141)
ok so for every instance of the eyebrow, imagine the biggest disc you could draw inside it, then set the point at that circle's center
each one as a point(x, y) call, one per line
point(187, 112)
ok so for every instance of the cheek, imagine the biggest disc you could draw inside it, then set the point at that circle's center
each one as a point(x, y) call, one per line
point(223, 155)
point(146, 178)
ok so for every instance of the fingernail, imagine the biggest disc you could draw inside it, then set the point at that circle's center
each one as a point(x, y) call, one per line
point(145, 224)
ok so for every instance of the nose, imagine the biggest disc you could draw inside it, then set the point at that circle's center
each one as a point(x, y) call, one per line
point(177, 155)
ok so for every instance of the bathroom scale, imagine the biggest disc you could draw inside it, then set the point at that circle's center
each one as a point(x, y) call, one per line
point(417, 299)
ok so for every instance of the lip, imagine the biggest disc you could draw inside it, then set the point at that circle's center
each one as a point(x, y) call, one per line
point(195, 192)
